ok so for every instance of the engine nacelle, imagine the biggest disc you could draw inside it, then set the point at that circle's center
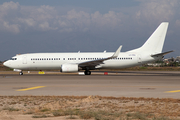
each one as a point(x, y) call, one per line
point(17, 70)
point(69, 67)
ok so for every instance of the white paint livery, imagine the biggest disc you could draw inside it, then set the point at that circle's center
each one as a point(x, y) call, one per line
point(73, 62)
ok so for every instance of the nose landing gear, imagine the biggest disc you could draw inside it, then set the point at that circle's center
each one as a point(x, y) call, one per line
point(21, 73)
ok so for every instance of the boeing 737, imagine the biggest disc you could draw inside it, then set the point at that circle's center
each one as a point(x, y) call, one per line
point(150, 51)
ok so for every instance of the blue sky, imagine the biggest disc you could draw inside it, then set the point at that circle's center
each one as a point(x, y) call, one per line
point(84, 25)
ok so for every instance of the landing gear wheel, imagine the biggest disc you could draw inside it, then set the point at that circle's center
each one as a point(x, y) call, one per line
point(87, 72)
point(21, 73)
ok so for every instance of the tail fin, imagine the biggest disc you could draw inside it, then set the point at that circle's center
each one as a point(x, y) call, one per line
point(156, 41)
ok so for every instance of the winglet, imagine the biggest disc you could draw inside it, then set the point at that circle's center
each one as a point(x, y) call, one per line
point(117, 52)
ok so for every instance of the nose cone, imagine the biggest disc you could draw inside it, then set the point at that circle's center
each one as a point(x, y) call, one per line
point(7, 64)
point(4, 63)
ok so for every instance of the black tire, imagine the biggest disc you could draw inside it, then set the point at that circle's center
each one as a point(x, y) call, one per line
point(87, 72)
point(21, 73)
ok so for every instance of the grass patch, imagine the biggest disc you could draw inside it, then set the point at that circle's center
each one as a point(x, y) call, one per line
point(137, 115)
point(45, 110)
point(86, 114)
point(39, 116)
point(143, 68)
point(58, 113)
point(71, 117)
point(98, 115)
point(11, 109)
point(162, 118)
point(29, 112)
point(141, 116)
point(65, 112)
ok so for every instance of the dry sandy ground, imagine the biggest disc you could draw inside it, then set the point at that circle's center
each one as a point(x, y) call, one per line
point(87, 107)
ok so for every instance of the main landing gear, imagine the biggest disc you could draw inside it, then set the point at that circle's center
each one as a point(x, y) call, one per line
point(21, 73)
point(87, 72)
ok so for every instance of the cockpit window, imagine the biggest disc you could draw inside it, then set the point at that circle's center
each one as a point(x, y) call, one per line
point(13, 59)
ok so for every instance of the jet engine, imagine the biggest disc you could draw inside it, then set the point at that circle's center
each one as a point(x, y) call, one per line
point(68, 67)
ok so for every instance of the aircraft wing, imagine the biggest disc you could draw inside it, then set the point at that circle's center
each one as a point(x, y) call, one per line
point(161, 54)
point(99, 61)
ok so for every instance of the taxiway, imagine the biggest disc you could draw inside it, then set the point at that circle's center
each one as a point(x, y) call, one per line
point(156, 84)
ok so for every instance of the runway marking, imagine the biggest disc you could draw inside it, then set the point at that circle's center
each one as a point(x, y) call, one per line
point(173, 91)
point(31, 88)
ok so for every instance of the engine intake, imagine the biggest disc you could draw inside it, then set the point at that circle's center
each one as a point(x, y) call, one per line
point(69, 67)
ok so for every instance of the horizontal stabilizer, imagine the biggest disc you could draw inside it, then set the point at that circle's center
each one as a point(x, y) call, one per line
point(161, 54)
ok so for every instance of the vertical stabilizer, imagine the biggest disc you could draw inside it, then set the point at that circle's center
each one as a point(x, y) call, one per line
point(156, 41)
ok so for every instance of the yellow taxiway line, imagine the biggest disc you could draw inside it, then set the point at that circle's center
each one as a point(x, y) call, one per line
point(173, 91)
point(31, 88)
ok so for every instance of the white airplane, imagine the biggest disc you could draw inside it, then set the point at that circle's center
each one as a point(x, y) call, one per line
point(150, 51)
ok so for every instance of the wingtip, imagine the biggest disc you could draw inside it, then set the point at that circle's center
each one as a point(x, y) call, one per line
point(117, 52)
point(165, 23)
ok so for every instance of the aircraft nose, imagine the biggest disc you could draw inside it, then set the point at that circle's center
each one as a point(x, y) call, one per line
point(6, 63)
